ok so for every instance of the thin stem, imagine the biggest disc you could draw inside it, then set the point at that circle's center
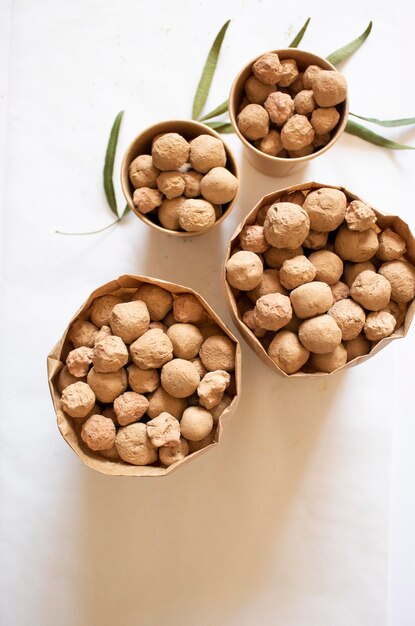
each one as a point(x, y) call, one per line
point(92, 232)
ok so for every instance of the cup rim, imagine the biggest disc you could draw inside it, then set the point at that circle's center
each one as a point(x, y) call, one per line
point(154, 129)
point(286, 53)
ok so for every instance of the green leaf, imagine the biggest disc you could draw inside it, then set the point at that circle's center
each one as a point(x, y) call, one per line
point(367, 135)
point(297, 39)
point(109, 163)
point(222, 108)
point(344, 53)
point(205, 81)
point(221, 127)
point(405, 121)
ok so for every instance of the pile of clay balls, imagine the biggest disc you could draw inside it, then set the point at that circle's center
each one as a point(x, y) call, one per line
point(317, 282)
point(147, 376)
point(183, 185)
point(287, 112)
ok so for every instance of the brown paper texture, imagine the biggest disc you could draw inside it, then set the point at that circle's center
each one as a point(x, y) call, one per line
point(70, 430)
point(392, 221)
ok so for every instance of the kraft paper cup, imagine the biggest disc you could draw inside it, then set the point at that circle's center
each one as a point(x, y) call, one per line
point(70, 428)
point(189, 129)
point(276, 166)
point(383, 221)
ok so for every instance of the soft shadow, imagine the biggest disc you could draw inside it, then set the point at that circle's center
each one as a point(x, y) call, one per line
point(190, 261)
point(194, 547)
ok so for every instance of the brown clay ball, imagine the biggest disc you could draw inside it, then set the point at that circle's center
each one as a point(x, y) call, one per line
point(286, 225)
point(173, 454)
point(253, 122)
point(192, 182)
point(329, 266)
point(273, 311)
point(391, 245)
point(256, 91)
point(218, 353)
point(275, 257)
point(401, 276)
point(171, 184)
point(244, 270)
point(170, 151)
point(129, 320)
point(320, 334)
point(164, 430)
point(179, 378)
point(207, 152)
point(143, 381)
point(78, 361)
point(160, 401)
point(134, 445)
point(304, 102)
point(356, 246)
point(186, 340)
point(129, 407)
point(168, 213)
point(158, 300)
point(78, 399)
point(107, 387)
point(352, 270)
point(280, 107)
point(196, 214)
point(309, 74)
point(324, 120)
point(65, 378)
point(196, 423)
point(218, 186)
point(326, 209)
point(153, 349)
point(83, 333)
point(340, 291)
point(311, 299)
point(252, 239)
point(350, 318)
point(379, 325)
point(329, 88)
point(287, 352)
point(143, 173)
point(98, 432)
point(146, 199)
point(330, 361)
point(357, 347)
point(270, 283)
point(268, 68)
point(289, 72)
point(101, 309)
point(297, 133)
point(109, 354)
point(188, 309)
point(271, 143)
point(372, 291)
point(297, 271)
point(359, 216)
point(315, 240)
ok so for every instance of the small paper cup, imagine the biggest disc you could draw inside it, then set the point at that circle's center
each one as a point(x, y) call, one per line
point(189, 129)
point(70, 428)
point(383, 221)
point(264, 163)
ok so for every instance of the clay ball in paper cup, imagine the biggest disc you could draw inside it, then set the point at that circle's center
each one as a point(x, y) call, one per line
point(180, 177)
point(318, 280)
point(138, 356)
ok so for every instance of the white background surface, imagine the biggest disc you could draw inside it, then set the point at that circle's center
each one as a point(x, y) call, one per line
point(291, 519)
